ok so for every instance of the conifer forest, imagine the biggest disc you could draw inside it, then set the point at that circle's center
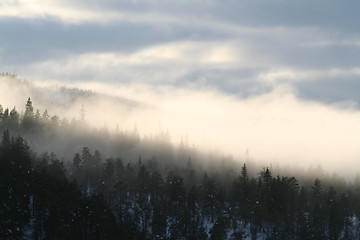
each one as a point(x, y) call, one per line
point(179, 120)
point(117, 185)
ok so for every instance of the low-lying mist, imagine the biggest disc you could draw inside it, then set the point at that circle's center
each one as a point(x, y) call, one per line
point(273, 128)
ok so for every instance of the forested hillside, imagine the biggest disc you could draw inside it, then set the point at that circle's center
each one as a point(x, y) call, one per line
point(116, 185)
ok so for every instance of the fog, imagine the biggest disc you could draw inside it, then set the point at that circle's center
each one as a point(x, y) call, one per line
point(276, 127)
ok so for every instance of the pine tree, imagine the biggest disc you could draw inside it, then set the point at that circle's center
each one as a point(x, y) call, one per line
point(28, 118)
point(142, 198)
point(316, 192)
point(109, 170)
point(176, 204)
point(77, 161)
point(244, 174)
point(14, 119)
point(316, 217)
point(29, 109)
point(157, 200)
point(5, 119)
point(207, 196)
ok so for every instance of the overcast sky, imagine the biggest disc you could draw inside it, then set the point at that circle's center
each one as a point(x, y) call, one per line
point(280, 78)
point(238, 47)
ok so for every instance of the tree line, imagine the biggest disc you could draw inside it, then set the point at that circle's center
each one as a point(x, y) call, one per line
point(94, 197)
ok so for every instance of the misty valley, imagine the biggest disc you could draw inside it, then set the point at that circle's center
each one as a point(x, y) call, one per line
point(65, 179)
point(179, 120)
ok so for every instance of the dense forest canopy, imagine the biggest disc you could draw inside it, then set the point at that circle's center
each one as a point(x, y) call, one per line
point(117, 185)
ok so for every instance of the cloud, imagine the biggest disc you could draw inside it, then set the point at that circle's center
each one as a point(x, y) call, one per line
point(276, 127)
point(54, 9)
point(190, 14)
point(166, 63)
point(277, 77)
point(232, 65)
point(182, 27)
point(77, 12)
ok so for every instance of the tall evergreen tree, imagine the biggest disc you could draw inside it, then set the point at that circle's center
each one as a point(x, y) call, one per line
point(28, 118)
point(29, 109)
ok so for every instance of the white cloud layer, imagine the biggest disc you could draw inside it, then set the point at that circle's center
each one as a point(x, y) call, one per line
point(164, 63)
point(295, 75)
point(35, 9)
point(79, 12)
point(274, 127)
point(179, 62)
